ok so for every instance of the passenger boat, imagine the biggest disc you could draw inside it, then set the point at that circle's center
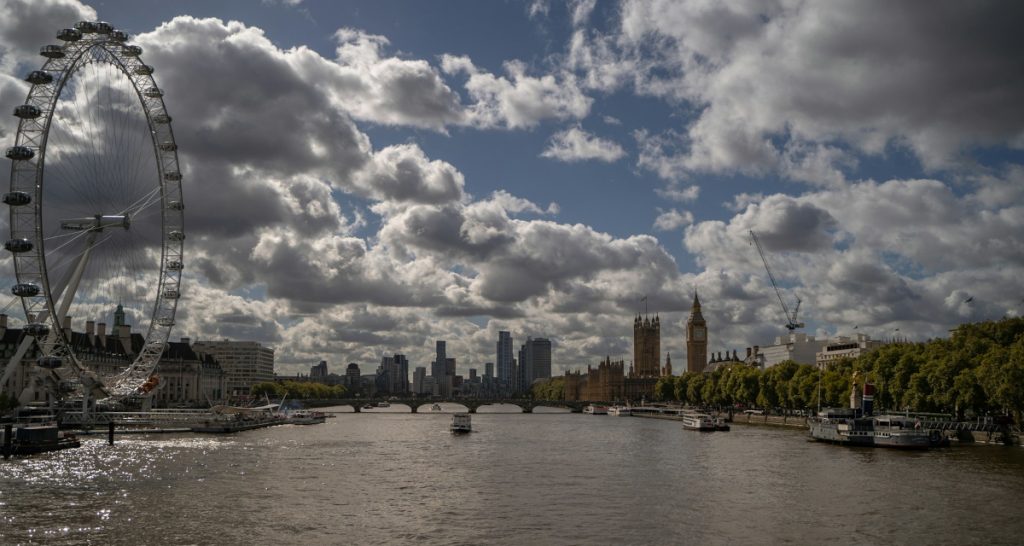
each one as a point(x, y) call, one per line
point(384, 404)
point(845, 427)
point(33, 433)
point(307, 417)
point(856, 426)
point(721, 424)
point(620, 411)
point(703, 422)
point(595, 410)
point(435, 407)
point(461, 423)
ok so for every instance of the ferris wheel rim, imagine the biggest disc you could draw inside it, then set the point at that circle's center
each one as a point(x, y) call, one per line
point(28, 173)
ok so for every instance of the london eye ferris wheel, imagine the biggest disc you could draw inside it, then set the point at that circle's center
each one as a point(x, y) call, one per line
point(96, 209)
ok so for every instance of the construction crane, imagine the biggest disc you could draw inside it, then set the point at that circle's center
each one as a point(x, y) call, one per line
point(791, 322)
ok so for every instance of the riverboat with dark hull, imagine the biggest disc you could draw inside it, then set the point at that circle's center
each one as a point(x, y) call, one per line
point(34, 439)
point(856, 426)
point(840, 427)
point(461, 424)
point(34, 432)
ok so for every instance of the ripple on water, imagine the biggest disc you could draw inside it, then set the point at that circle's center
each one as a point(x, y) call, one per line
point(545, 479)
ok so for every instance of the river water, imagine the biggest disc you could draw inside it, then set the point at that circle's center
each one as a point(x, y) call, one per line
point(557, 478)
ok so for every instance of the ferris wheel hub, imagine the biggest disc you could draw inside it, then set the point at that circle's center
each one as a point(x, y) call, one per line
point(97, 223)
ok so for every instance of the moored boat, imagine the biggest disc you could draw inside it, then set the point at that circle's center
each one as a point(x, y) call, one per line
point(721, 424)
point(461, 423)
point(620, 411)
point(593, 409)
point(33, 431)
point(703, 422)
point(856, 426)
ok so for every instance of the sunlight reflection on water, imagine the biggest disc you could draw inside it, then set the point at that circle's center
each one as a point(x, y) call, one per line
point(552, 478)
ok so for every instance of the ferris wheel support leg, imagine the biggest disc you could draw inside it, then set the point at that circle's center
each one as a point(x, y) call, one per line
point(76, 277)
point(66, 295)
point(89, 380)
point(15, 362)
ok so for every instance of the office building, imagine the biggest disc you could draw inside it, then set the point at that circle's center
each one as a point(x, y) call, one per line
point(245, 363)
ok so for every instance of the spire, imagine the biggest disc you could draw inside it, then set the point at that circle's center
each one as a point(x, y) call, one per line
point(696, 300)
point(119, 315)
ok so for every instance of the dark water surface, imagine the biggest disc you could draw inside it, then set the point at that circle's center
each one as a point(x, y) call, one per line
point(398, 478)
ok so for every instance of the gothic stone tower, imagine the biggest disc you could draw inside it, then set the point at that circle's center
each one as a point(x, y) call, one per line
point(696, 338)
point(647, 346)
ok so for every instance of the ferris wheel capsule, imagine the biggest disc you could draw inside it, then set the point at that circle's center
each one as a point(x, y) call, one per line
point(39, 77)
point(25, 290)
point(103, 27)
point(19, 153)
point(52, 51)
point(27, 111)
point(69, 35)
point(50, 362)
point(37, 329)
point(16, 246)
point(86, 27)
point(17, 198)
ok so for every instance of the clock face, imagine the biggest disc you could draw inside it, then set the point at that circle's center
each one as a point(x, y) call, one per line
point(698, 334)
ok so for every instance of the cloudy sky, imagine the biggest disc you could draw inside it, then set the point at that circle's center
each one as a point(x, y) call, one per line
point(366, 177)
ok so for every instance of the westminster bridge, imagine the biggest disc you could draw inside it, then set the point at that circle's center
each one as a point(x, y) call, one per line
point(471, 404)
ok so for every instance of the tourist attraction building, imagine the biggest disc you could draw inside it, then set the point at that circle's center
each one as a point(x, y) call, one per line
point(610, 381)
point(696, 338)
point(187, 379)
point(184, 378)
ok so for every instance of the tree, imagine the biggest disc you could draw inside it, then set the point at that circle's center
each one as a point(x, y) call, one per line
point(665, 389)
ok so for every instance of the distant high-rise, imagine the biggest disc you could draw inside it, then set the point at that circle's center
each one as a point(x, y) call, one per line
point(319, 371)
point(534, 362)
point(525, 369)
point(352, 374)
point(646, 346)
point(437, 370)
point(400, 374)
point(418, 377)
point(504, 358)
point(489, 369)
point(541, 354)
point(696, 338)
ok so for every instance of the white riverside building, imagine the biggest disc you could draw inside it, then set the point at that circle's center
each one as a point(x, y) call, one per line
point(796, 346)
point(806, 349)
point(245, 363)
point(846, 347)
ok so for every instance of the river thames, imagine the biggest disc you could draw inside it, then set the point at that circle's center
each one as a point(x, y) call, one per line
point(400, 478)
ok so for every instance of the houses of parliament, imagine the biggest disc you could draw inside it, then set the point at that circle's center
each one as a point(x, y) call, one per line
point(610, 381)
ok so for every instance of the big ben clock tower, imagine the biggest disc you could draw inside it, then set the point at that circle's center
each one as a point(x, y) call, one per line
point(696, 338)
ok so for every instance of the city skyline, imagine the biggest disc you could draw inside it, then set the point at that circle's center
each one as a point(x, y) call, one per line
point(449, 172)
